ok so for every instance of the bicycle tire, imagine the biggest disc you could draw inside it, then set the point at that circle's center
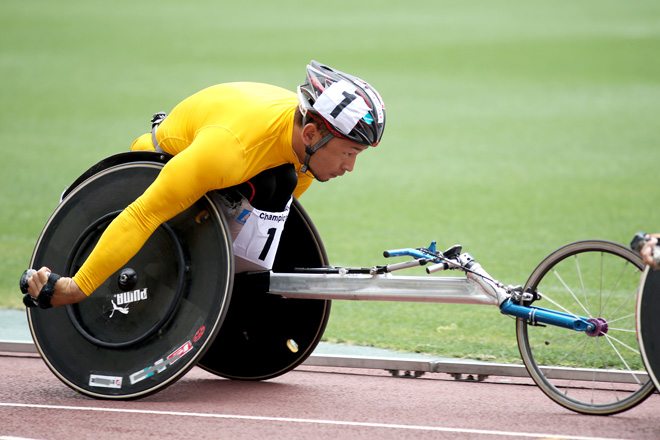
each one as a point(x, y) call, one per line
point(599, 372)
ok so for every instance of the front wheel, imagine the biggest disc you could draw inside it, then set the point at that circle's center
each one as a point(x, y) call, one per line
point(599, 372)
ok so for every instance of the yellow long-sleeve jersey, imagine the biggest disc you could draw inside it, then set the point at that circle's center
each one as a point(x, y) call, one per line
point(219, 137)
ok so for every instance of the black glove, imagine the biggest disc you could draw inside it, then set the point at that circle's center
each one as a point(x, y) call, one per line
point(46, 294)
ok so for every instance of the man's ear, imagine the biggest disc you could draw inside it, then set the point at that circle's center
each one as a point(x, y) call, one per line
point(309, 134)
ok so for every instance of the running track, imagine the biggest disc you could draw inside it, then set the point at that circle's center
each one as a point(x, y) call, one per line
point(308, 403)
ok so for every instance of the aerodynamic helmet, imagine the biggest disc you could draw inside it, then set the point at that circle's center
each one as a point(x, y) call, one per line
point(348, 106)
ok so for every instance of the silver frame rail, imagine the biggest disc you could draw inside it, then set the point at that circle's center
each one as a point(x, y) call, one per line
point(480, 370)
point(387, 287)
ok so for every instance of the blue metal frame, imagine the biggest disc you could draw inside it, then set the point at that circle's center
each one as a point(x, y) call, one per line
point(552, 317)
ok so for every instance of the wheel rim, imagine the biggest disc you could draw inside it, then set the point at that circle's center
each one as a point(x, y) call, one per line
point(598, 372)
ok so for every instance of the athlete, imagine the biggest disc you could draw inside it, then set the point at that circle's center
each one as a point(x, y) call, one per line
point(263, 141)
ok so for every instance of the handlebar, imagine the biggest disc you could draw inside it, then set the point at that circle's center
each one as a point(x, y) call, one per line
point(451, 259)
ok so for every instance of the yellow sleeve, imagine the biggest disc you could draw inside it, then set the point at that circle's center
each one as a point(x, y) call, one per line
point(143, 143)
point(214, 160)
point(304, 182)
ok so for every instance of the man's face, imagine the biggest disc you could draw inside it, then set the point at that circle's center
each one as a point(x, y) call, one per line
point(334, 158)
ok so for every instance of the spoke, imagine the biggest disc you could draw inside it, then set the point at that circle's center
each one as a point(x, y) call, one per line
point(555, 303)
point(579, 362)
point(621, 330)
point(600, 292)
point(546, 343)
point(599, 355)
point(604, 367)
point(609, 321)
point(584, 290)
point(632, 295)
point(581, 342)
point(616, 283)
point(634, 350)
point(572, 294)
point(623, 360)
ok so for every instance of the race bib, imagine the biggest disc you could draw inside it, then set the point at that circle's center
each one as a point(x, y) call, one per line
point(260, 236)
point(342, 106)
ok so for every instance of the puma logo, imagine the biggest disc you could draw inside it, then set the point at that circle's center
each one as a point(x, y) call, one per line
point(123, 310)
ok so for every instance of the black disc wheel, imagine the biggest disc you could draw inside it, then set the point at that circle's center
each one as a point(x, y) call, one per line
point(265, 335)
point(128, 340)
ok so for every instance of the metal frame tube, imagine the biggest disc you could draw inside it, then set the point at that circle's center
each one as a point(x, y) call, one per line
point(362, 287)
point(544, 316)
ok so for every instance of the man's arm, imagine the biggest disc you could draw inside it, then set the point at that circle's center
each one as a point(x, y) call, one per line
point(66, 290)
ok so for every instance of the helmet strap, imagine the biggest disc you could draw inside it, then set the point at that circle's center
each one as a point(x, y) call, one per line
point(309, 150)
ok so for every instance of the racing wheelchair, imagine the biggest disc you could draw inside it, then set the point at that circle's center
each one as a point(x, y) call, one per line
point(177, 303)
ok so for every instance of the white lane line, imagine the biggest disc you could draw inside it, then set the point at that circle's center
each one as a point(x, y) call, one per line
point(308, 421)
point(14, 438)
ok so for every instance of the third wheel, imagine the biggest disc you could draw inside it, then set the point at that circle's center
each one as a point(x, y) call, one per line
point(591, 372)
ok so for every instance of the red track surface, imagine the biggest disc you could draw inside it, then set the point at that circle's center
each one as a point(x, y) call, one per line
point(308, 403)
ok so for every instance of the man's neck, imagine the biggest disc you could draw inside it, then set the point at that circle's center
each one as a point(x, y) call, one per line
point(297, 143)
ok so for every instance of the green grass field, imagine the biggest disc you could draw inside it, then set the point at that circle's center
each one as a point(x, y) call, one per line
point(514, 127)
